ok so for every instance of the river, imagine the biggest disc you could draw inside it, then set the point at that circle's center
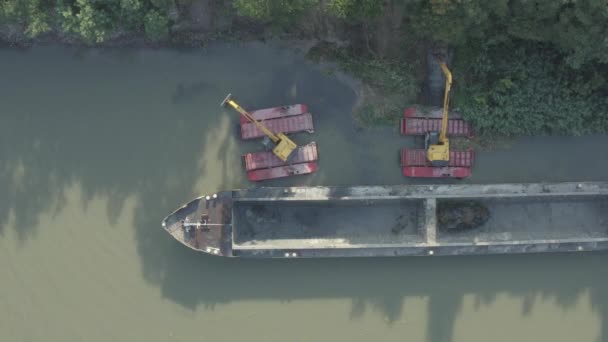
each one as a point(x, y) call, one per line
point(97, 146)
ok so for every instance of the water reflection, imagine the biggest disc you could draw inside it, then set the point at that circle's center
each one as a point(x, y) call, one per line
point(387, 285)
point(188, 92)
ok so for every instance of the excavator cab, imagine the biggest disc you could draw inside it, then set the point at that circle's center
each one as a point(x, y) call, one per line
point(438, 152)
point(284, 147)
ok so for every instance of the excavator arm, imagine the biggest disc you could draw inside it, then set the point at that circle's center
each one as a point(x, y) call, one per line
point(229, 101)
point(446, 101)
point(438, 145)
point(283, 146)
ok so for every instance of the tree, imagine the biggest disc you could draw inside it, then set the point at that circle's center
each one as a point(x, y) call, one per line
point(87, 19)
point(31, 14)
point(457, 22)
point(278, 13)
point(578, 29)
point(156, 25)
point(355, 10)
point(131, 13)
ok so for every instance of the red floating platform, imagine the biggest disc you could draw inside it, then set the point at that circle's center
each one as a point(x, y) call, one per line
point(288, 124)
point(415, 164)
point(276, 112)
point(416, 123)
point(263, 160)
point(282, 171)
point(265, 165)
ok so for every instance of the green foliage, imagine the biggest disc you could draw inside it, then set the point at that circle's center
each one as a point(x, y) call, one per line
point(87, 19)
point(521, 67)
point(577, 28)
point(92, 20)
point(389, 84)
point(131, 13)
point(285, 13)
point(9, 10)
point(95, 20)
point(279, 13)
point(354, 9)
point(524, 67)
point(32, 14)
point(389, 87)
point(160, 4)
point(456, 22)
point(518, 91)
point(387, 76)
point(38, 21)
point(156, 25)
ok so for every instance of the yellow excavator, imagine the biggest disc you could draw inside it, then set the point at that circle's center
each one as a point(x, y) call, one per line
point(283, 146)
point(436, 144)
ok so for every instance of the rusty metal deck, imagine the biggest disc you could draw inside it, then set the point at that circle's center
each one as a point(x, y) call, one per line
point(267, 159)
point(290, 124)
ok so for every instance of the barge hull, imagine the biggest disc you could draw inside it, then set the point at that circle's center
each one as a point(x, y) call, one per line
point(414, 220)
point(276, 112)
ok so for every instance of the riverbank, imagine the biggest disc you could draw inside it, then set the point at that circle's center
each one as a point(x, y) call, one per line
point(158, 23)
point(323, 29)
point(186, 37)
point(518, 84)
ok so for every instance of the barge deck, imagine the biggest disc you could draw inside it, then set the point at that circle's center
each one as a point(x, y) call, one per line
point(396, 220)
point(265, 165)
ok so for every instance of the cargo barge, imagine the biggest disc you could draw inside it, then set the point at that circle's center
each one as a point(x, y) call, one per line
point(401, 220)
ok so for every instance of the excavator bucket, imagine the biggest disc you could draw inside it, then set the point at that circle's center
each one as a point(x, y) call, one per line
point(225, 102)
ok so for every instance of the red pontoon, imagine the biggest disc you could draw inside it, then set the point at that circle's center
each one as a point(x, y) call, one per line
point(414, 122)
point(277, 112)
point(414, 163)
point(286, 119)
point(265, 165)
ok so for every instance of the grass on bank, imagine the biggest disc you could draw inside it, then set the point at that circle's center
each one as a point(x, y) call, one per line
point(389, 86)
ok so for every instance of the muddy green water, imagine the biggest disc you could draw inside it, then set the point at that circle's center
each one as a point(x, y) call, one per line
point(97, 146)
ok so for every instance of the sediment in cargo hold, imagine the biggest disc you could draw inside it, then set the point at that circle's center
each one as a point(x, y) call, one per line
point(454, 216)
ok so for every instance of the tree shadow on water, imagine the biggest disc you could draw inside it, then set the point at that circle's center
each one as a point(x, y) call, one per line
point(104, 154)
point(385, 286)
